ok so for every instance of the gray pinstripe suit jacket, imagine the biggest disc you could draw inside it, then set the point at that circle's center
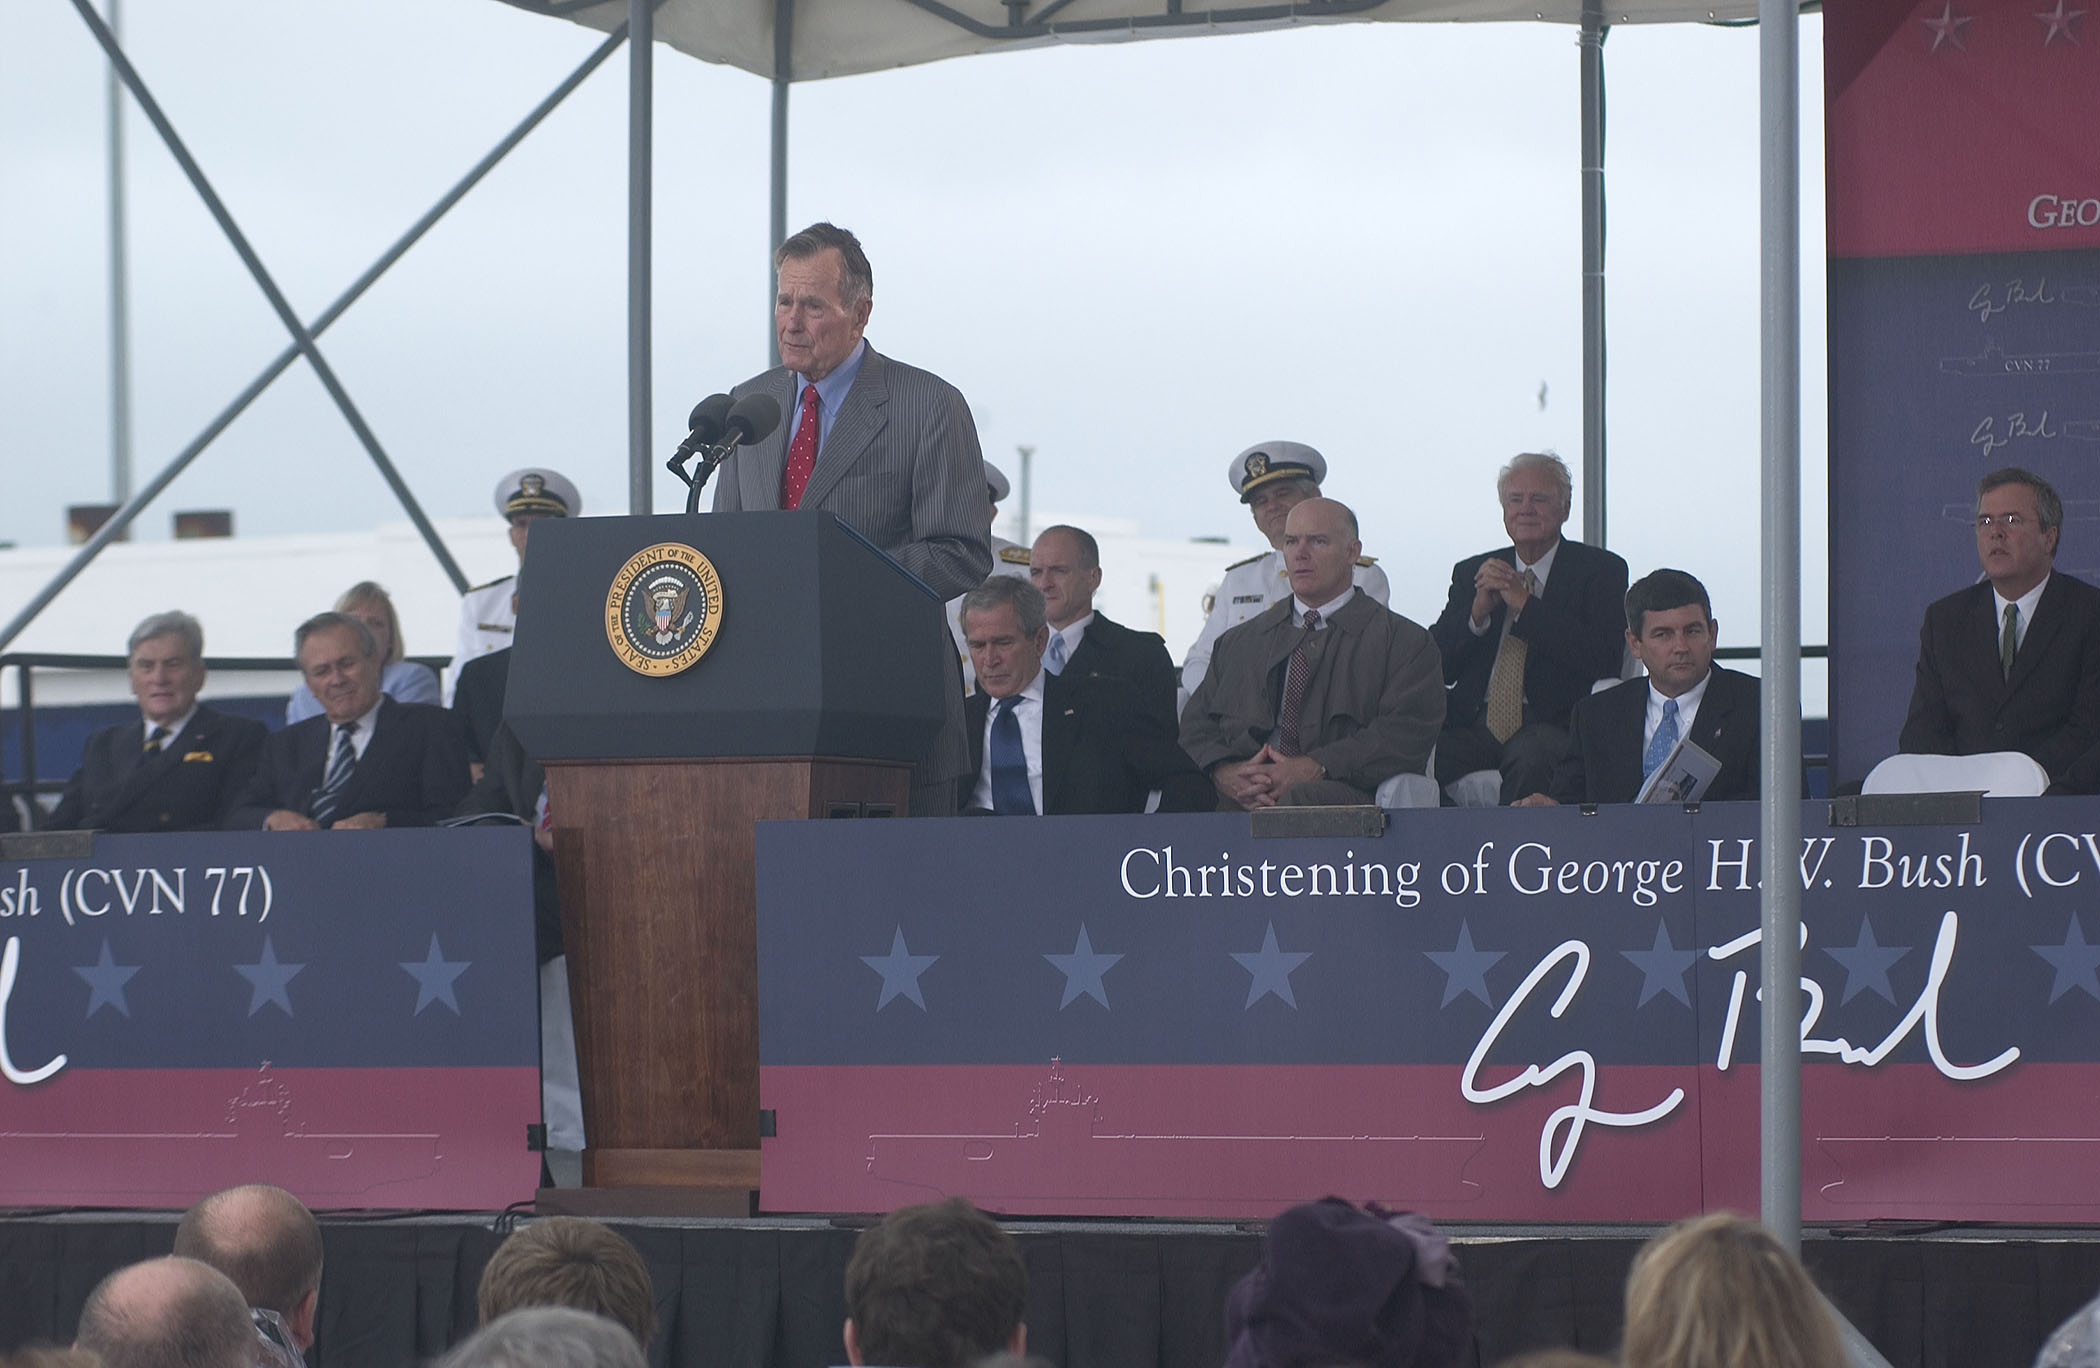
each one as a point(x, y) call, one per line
point(900, 463)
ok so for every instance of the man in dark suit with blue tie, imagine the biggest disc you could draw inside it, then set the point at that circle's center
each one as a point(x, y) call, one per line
point(1065, 564)
point(367, 761)
point(182, 766)
point(1619, 736)
point(2012, 663)
point(888, 448)
point(1051, 744)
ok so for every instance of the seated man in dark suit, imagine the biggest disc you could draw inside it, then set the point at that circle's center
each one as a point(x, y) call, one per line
point(1527, 631)
point(1622, 734)
point(1320, 698)
point(367, 761)
point(178, 769)
point(2013, 663)
point(1056, 744)
point(477, 701)
point(1065, 564)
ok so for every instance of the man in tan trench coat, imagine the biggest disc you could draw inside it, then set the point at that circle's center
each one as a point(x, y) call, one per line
point(1325, 695)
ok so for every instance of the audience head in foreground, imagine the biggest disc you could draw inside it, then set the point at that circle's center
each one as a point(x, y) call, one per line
point(547, 1337)
point(1721, 1292)
point(1339, 1284)
point(269, 1244)
point(574, 1262)
point(934, 1286)
point(168, 1313)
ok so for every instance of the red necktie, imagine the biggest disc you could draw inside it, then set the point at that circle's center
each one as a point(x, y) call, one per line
point(802, 453)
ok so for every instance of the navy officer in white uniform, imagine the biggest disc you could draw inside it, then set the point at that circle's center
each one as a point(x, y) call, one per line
point(488, 613)
point(1271, 478)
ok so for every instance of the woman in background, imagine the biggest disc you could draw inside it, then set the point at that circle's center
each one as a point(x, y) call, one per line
point(404, 681)
point(1721, 1292)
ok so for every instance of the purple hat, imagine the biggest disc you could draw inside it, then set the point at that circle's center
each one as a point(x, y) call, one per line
point(1340, 1284)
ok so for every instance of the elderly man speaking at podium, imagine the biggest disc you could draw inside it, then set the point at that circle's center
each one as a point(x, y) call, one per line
point(892, 450)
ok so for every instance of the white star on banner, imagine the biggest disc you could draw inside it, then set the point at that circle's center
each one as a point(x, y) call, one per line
point(2060, 20)
point(1946, 26)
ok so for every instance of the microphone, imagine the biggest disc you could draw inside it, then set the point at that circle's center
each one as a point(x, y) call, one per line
point(705, 426)
point(751, 419)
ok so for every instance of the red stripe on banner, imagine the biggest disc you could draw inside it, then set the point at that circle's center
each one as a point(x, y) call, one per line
point(1902, 1142)
point(451, 1139)
point(1238, 1142)
point(1961, 126)
point(1219, 1142)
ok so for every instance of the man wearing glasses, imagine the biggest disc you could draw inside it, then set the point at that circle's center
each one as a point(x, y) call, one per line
point(2013, 661)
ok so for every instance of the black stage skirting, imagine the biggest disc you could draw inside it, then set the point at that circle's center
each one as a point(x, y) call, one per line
point(767, 1294)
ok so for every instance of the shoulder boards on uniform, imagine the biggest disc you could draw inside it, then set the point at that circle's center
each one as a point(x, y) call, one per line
point(1014, 555)
point(1249, 561)
point(491, 584)
point(1367, 560)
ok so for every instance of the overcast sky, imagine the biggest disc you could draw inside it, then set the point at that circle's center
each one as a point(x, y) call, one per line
point(1138, 258)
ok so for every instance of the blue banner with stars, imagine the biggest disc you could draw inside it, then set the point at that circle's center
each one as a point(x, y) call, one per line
point(1497, 1015)
point(353, 1015)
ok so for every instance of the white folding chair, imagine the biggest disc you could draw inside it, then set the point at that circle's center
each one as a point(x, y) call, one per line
point(1998, 774)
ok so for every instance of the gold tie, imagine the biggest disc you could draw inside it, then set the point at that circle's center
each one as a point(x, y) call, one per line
point(1505, 700)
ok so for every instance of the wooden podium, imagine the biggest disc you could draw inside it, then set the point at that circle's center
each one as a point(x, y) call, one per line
point(823, 681)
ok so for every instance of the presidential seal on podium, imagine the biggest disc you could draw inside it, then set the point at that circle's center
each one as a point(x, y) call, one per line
point(663, 609)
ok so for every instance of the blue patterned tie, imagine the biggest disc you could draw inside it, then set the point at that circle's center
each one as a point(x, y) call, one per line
point(1665, 737)
point(1054, 662)
point(1010, 792)
point(339, 767)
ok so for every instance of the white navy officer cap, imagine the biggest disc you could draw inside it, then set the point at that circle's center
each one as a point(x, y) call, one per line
point(995, 481)
point(1268, 462)
point(538, 491)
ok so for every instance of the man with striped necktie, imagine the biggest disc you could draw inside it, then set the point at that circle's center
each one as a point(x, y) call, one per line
point(367, 761)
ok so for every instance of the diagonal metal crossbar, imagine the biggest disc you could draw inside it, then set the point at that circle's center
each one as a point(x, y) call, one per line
point(303, 337)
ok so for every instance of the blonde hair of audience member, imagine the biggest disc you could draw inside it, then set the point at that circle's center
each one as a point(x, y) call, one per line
point(370, 604)
point(1721, 1292)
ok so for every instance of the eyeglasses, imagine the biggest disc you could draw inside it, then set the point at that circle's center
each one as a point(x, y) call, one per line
point(2011, 522)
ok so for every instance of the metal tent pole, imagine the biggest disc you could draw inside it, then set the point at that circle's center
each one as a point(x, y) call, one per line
point(110, 530)
point(263, 280)
point(783, 77)
point(641, 48)
point(1780, 427)
point(1592, 48)
point(119, 286)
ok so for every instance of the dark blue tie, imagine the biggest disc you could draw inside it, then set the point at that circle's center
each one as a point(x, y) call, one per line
point(1010, 795)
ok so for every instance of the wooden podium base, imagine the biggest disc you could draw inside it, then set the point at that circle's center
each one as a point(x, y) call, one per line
point(659, 896)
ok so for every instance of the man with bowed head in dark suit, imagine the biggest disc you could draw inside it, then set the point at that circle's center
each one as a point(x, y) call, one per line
point(890, 449)
point(1527, 631)
point(367, 761)
point(182, 766)
point(1065, 564)
point(1058, 744)
point(2013, 663)
point(1623, 733)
